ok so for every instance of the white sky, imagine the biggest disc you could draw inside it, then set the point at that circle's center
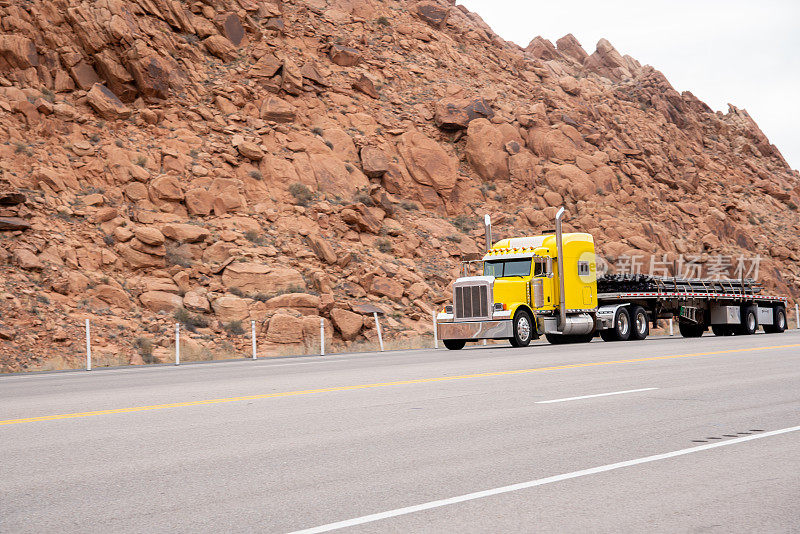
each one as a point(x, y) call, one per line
point(743, 52)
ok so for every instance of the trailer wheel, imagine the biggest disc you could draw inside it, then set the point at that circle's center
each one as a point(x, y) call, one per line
point(621, 331)
point(523, 329)
point(641, 328)
point(749, 321)
point(454, 344)
point(779, 322)
point(691, 330)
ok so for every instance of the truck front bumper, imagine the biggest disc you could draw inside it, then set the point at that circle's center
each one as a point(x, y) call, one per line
point(476, 330)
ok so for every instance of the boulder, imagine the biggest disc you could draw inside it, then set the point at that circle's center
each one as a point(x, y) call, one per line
point(199, 201)
point(543, 49)
point(112, 295)
point(365, 85)
point(160, 301)
point(552, 143)
point(374, 162)
point(166, 188)
point(278, 110)
point(137, 259)
point(457, 113)
point(294, 300)
point(433, 14)
point(27, 260)
point(185, 233)
point(106, 103)
point(229, 308)
point(485, 150)
point(149, 235)
point(321, 248)
point(196, 302)
point(14, 223)
point(250, 150)
point(285, 328)
point(259, 278)
point(11, 198)
point(427, 162)
point(220, 47)
point(386, 287)
point(18, 51)
point(569, 45)
point(347, 323)
point(344, 56)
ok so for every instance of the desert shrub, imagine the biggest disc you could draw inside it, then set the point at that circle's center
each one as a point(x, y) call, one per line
point(254, 237)
point(256, 175)
point(234, 327)
point(409, 206)
point(384, 245)
point(382, 21)
point(145, 348)
point(465, 223)
point(301, 193)
point(175, 258)
point(189, 320)
point(236, 291)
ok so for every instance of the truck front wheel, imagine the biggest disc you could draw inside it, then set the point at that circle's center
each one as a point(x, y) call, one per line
point(523, 329)
point(454, 344)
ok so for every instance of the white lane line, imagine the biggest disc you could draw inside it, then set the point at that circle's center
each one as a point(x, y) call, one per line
point(598, 395)
point(533, 483)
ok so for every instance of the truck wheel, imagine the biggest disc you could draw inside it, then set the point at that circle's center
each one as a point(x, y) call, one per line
point(561, 339)
point(454, 344)
point(621, 331)
point(691, 330)
point(749, 321)
point(721, 330)
point(523, 329)
point(779, 322)
point(641, 328)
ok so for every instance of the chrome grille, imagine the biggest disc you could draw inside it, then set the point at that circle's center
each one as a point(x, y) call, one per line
point(471, 301)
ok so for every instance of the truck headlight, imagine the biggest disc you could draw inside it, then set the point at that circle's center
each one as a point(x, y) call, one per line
point(499, 306)
point(448, 309)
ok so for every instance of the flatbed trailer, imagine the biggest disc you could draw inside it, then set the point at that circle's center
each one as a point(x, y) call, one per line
point(727, 306)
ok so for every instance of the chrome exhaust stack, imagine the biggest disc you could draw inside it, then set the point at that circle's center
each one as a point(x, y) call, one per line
point(487, 223)
point(562, 307)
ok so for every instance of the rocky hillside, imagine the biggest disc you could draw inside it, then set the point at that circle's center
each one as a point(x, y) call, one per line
point(221, 161)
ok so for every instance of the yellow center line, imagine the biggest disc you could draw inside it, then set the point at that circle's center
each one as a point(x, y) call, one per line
point(377, 385)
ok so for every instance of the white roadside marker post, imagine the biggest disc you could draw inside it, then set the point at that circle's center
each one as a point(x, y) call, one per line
point(378, 326)
point(88, 347)
point(671, 331)
point(177, 343)
point(435, 333)
point(321, 336)
point(797, 315)
point(253, 337)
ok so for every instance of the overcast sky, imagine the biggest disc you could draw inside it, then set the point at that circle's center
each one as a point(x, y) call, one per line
point(746, 53)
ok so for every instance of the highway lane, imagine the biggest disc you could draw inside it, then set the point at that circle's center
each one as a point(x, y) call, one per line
point(296, 461)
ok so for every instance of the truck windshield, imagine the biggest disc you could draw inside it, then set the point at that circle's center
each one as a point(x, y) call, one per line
point(499, 269)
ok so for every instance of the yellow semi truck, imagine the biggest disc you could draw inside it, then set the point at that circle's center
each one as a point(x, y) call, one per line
point(522, 294)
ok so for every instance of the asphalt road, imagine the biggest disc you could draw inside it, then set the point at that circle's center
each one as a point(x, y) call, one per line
point(291, 444)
